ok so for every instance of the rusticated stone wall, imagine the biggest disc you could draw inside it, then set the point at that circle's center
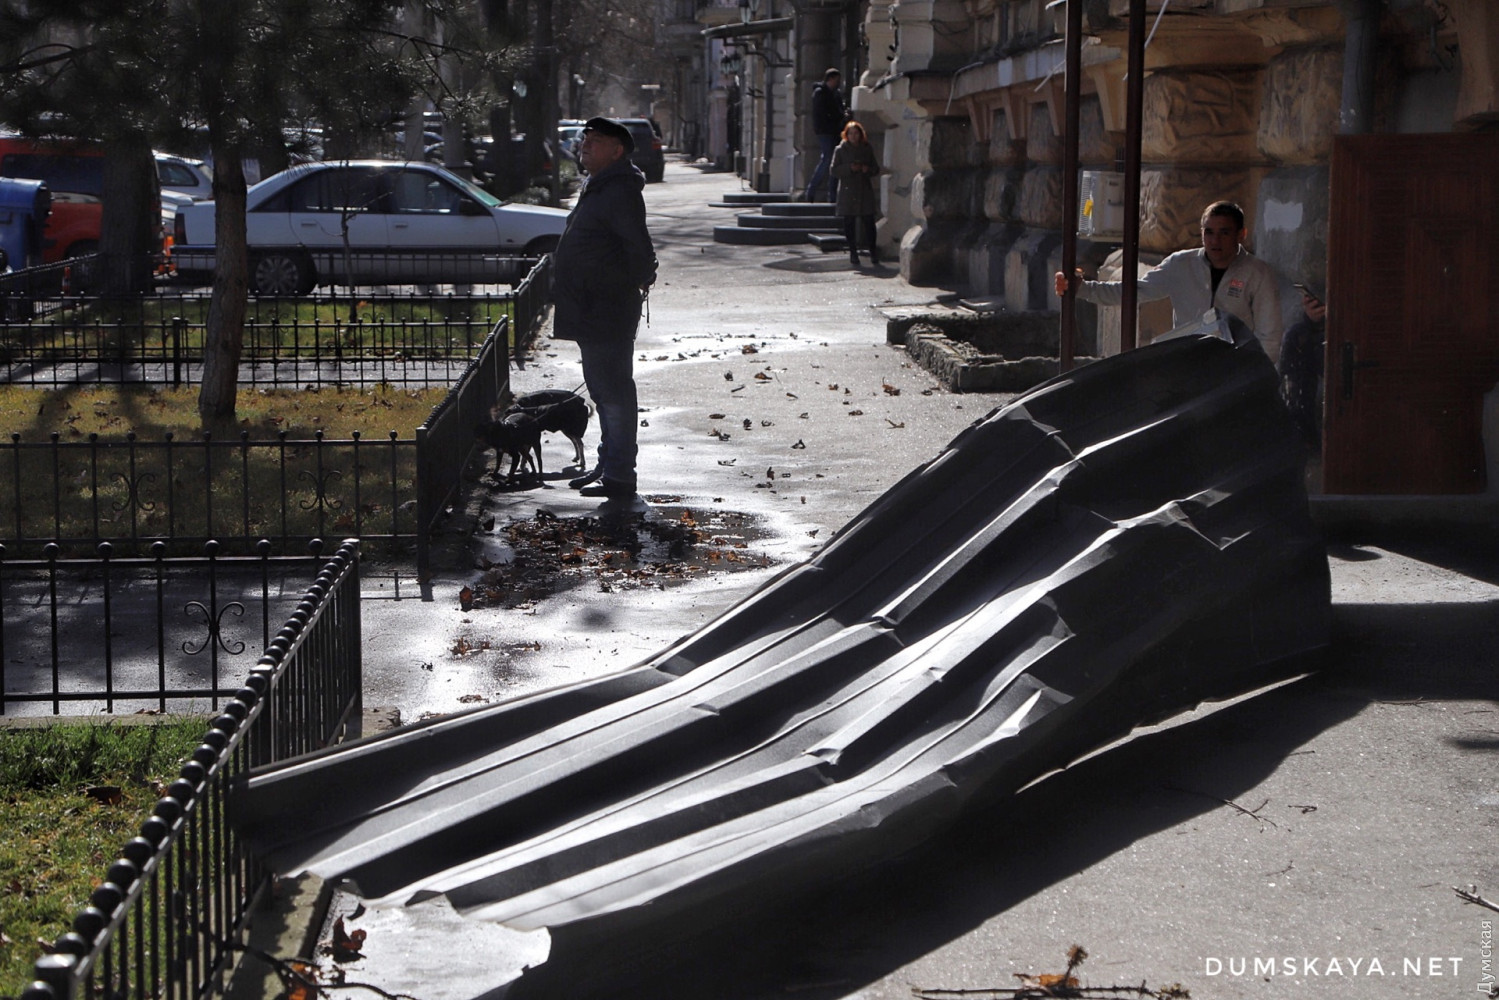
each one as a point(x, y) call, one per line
point(1042, 144)
point(1041, 197)
point(1302, 93)
point(1004, 151)
point(1172, 199)
point(1002, 187)
point(948, 199)
point(1199, 132)
point(1196, 116)
point(1096, 146)
point(947, 144)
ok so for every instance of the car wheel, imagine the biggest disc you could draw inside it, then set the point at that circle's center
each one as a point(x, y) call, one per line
point(541, 245)
point(657, 174)
point(282, 274)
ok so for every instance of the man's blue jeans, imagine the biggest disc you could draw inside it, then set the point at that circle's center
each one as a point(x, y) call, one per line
point(608, 369)
point(823, 172)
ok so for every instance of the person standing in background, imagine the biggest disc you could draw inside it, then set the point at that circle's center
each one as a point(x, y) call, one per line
point(829, 114)
point(855, 166)
point(1221, 275)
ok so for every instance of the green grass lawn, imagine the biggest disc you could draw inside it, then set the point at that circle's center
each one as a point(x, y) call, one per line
point(71, 796)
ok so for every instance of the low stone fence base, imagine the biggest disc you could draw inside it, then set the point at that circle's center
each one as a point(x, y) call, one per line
point(980, 352)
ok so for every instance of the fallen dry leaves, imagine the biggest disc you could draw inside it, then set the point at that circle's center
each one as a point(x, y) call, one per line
point(669, 546)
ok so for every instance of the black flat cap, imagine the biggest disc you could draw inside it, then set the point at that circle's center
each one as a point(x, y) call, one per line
point(613, 129)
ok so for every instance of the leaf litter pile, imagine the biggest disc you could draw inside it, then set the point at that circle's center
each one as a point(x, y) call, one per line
point(670, 545)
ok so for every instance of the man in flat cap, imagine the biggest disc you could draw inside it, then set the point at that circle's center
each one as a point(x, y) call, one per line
point(603, 267)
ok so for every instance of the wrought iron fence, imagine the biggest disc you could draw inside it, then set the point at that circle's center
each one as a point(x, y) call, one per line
point(158, 339)
point(118, 634)
point(531, 298)
point(172, 910)
point(346, 337)
point(24, 292)
point(135, 492)
point(446, 440)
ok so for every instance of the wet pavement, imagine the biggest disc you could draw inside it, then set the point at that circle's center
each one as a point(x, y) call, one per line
point(767, 393)
point(1304, 842)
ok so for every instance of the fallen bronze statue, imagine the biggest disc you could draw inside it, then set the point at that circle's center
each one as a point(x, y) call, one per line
point(1111, 548)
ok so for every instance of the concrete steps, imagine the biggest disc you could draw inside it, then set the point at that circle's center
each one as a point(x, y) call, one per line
point(806, 223)
point(746, 236)
point(746, 199)
point(780, 222)
point(799, 209)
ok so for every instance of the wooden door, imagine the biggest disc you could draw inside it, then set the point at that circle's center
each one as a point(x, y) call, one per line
point(1413, 312)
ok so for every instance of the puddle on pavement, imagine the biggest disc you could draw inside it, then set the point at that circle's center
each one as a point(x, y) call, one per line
point(670, 544)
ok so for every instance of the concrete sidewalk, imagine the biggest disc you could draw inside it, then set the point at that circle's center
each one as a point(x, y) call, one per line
point(1303, 842)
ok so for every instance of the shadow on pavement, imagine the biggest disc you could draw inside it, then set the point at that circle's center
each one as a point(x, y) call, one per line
point(833, 263)
point(1469, 549)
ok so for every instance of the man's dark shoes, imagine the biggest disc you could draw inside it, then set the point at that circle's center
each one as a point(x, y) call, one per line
point(612, 489)
point(591, 476)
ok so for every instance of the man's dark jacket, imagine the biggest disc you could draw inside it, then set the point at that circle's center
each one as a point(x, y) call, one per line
point(829, 114)
point(603, 259)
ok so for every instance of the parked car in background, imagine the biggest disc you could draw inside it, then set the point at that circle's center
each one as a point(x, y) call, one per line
point(372, 222)
point(74, 174)
point(569, 136)
point(171, 201)
point(650, 151)
point(431, 144)
point(184, 176)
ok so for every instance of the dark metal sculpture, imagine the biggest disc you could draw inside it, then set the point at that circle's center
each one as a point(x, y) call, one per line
point(1115, 546)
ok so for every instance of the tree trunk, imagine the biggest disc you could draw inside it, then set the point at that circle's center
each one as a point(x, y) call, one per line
point(548, 112)
point(224, 337)
point(130, 229)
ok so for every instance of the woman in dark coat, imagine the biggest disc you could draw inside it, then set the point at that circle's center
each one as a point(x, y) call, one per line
point(856, 167)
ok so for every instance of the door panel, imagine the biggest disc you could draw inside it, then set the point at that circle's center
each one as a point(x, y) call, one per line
point(320, 207)
point(431, 235)
point(1413, 322)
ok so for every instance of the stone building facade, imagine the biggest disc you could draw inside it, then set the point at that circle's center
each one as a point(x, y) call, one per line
point(1241, 101)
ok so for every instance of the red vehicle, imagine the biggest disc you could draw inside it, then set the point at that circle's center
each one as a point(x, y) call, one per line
point(75, 176)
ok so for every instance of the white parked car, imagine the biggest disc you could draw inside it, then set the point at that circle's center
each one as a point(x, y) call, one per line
point(184, 176)
point(372, 222)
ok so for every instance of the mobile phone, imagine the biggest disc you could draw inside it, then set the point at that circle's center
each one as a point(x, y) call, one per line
point(1307, 290)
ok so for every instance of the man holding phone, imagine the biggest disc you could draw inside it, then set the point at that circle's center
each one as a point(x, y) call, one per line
point(1301, 365)
point(1222, 275)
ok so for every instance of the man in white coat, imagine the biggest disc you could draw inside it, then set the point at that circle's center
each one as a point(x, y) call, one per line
point(1222, 275)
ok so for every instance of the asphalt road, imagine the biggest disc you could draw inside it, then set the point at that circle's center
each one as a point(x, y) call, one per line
point(1300, 843)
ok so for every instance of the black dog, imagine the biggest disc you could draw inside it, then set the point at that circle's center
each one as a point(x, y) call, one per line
point(557, 411)
point(519, 436)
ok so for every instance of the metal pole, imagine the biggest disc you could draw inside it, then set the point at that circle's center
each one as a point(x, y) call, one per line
point(1074, 93)
point(1134, 99)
